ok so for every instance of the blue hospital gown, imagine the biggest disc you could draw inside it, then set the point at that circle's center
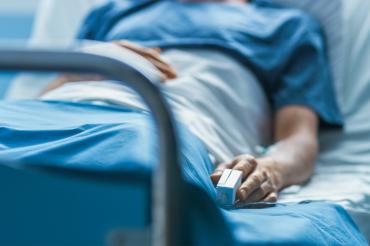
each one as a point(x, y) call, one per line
point(284, 47)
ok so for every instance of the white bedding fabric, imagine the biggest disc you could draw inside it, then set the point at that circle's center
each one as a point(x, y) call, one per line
point(343, 170)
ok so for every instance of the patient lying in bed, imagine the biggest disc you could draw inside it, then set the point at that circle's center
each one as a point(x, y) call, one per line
point(256, 76)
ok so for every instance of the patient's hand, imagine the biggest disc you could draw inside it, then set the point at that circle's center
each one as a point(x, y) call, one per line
point(261, 180)
point(153, 55)
point(291, 161)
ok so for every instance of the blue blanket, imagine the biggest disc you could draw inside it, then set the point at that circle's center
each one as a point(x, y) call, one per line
point(85, 136)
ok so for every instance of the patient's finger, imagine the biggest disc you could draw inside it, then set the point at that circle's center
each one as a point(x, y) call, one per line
point(252, 183)
point(159, 60)
point(216, 175)
point(167, 73)
point(260, 193)
point(149, 53)
point(146, 52)
point(128, 45)
point(246, 165)
point(164, 68)
point(272, 197)
point(152, 55)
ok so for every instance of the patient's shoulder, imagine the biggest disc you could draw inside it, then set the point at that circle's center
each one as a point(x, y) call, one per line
point(289, 17)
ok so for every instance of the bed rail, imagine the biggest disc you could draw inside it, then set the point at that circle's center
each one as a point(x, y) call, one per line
point(167, 181)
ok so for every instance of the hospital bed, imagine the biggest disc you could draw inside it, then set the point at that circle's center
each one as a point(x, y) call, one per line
point(167, 201)
point(348, 152)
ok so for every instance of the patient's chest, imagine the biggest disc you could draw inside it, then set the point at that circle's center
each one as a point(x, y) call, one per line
point(188, 23)
point(220, 100)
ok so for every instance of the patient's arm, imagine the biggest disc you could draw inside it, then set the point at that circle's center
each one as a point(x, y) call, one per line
point(290, 162)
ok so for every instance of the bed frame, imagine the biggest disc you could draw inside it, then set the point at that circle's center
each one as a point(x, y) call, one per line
point(34, 196)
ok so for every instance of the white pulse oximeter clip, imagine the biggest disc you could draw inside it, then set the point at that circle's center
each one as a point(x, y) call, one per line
point(227, 186)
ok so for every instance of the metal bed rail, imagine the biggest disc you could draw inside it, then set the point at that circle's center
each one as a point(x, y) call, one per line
point(167, 180)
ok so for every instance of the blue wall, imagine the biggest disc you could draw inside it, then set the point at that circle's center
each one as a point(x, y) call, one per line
point(14, 26)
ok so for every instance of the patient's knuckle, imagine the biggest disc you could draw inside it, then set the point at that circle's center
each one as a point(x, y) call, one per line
point(261, 177)
point(267, 185)
point(248, 163)
point(272, 185)
point(253, 162)
point(266, 190)
point(256, 179)
point(244, 186)
point(240, 167)
point(264, 174)
point(259, 193)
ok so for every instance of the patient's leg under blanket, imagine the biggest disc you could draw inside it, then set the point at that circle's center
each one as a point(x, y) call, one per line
point(118, 139)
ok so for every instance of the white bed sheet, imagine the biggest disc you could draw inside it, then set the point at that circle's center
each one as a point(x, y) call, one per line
point(343, 170)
